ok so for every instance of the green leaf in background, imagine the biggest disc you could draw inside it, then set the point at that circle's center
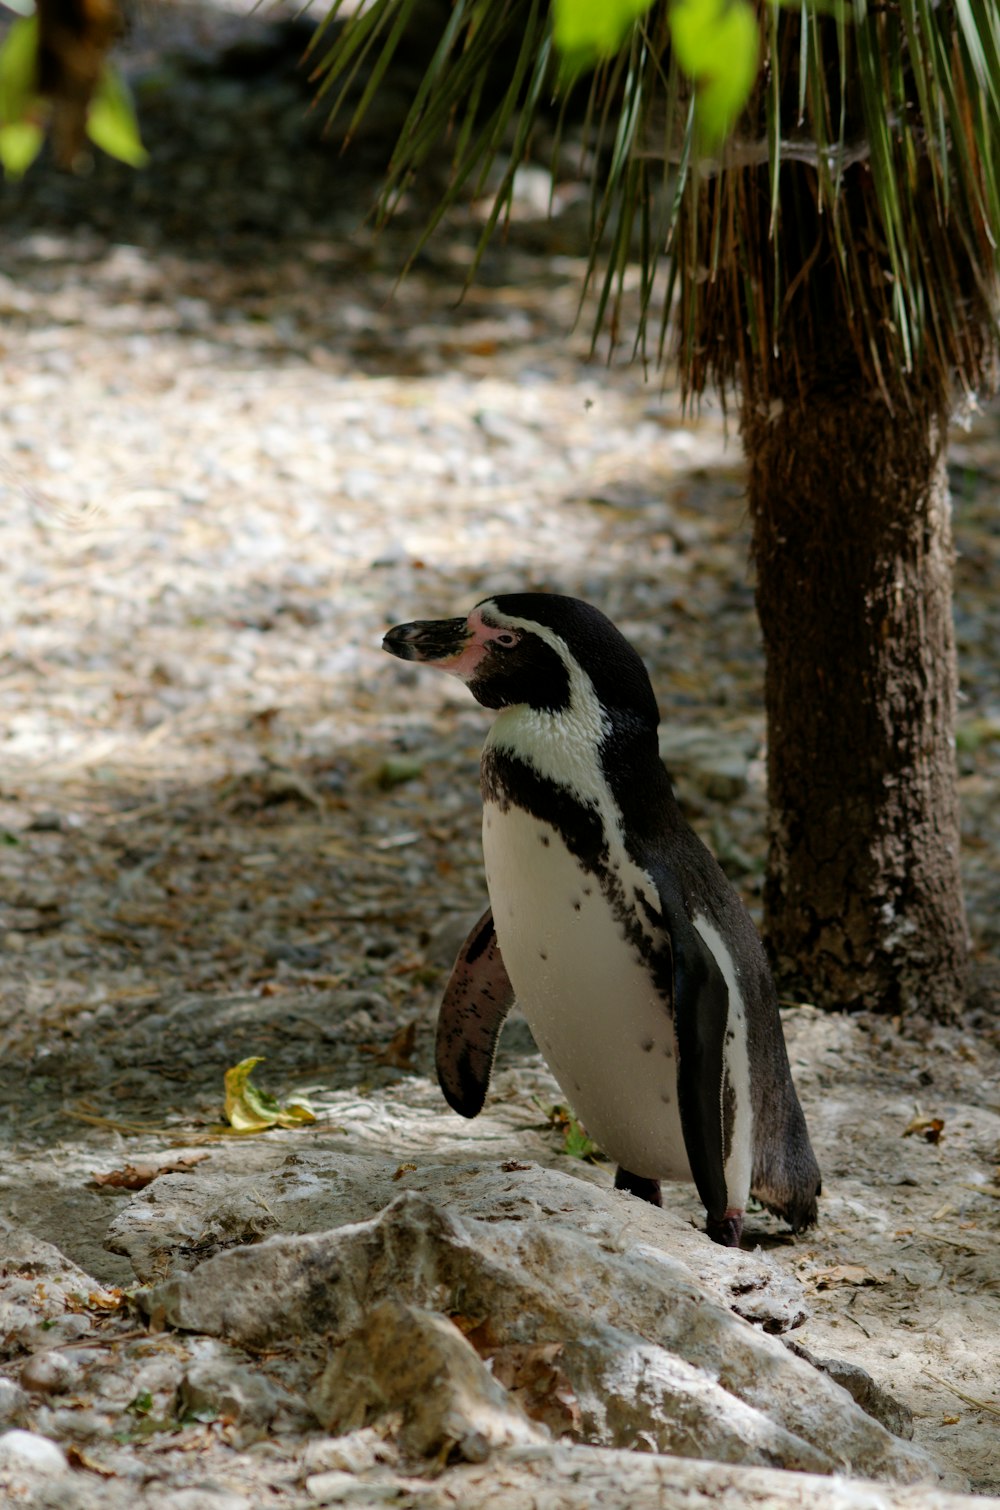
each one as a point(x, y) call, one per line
point(18, 70)
point(20, 144)
point(717, 44)
point(587, 30)
point(578, 1143)
point(249, 1109)
point(21, 134)
point(111, 121)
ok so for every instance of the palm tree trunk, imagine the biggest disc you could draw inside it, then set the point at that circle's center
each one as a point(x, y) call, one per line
point(853, 553)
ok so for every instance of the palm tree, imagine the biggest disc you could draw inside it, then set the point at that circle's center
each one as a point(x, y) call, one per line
point(833, 267)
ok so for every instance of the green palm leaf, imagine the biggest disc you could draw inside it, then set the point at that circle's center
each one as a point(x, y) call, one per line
point(863, 169)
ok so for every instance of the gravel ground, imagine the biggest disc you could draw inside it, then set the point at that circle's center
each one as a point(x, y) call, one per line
point(231, 457)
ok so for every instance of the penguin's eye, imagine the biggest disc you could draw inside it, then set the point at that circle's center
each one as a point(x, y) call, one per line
point(506, 639)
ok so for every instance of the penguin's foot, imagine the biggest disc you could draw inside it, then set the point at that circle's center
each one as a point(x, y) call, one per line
point(638, 1184)
point(727, 1229)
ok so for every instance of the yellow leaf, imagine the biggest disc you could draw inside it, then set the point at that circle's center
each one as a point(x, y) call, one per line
point(250, 1110)
point(930, 1128)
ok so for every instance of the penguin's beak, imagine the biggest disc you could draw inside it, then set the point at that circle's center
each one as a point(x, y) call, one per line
point(438, 641)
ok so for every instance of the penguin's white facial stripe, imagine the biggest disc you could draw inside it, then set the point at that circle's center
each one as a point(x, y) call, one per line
point(736, 1060)
point(565, 747)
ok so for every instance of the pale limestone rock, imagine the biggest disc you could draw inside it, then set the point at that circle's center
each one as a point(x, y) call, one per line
point(26, 1452)
point(650, 1354)
point(405, 1359)
point(581, 1478)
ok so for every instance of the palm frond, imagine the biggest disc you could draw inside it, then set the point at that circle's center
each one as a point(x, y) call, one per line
point(859, 191)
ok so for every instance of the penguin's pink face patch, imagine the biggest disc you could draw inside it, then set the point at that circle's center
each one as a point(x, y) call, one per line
point(466, 663)
point(456, 646)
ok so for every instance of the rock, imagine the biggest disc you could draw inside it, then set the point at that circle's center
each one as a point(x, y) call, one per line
point(26, 1451)
point(50, 1373)
point(417, 1362)
point(41, 1336)
point(337, 1488)
point(156, 1235)
point(561, 1477)
point(181, 1219)
point(354, 1453)
point(33, 1259)
point(650, 1354)
point(13, 1401)
point(873, 1399)
point(771, 1301)
point(220, 1388)
point(39, 1293)
point(198, 1499)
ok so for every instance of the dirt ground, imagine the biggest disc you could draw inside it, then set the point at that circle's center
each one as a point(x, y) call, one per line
point(230, 825)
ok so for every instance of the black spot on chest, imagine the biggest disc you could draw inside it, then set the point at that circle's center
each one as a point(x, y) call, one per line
point(509, 782)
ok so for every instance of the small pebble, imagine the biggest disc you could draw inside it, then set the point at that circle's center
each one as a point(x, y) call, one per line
point(50, 1373)
point(27, 1451)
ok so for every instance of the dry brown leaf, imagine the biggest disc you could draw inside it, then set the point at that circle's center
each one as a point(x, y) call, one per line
point(479, 1331)
point(77, 1458)
point(929, 1128)
point(398, 1052)
point(531, 1372)
point(138, 1176)
point(110, 1300)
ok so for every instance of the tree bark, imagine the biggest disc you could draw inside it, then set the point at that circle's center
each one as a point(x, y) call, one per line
point(853, 552)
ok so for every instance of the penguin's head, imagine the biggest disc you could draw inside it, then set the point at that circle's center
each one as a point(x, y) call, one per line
point(531, 649)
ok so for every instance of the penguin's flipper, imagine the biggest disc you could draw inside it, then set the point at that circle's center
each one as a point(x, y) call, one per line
point(701, 1018)
point(476, 1001)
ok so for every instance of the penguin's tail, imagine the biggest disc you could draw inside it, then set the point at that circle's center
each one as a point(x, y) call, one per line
point(786, 1177)
point(799, 1211)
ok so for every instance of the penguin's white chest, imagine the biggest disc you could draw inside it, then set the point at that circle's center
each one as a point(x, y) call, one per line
point(603, 1028)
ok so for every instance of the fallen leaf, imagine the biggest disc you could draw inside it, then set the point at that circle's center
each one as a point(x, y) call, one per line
point(479, 1332)
point(249, 1109)
point(531, 1372)
point(138, 1176)
point(108, 1301)
point(929, 1128)
point(77, 1458)
point(398, 1052)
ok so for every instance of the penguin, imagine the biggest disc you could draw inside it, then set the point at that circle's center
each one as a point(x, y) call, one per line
point(636, 965)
